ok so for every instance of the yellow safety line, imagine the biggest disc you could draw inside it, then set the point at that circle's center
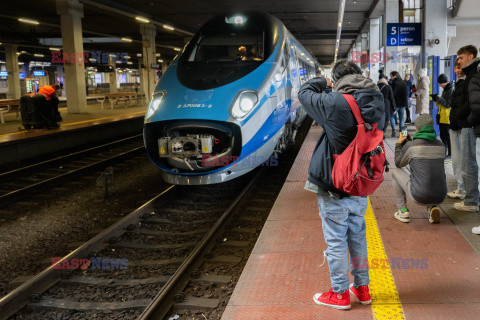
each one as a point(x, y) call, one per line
point(385, 301)
point(69, 124)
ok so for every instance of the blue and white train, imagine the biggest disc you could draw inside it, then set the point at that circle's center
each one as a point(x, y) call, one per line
point(228, 102)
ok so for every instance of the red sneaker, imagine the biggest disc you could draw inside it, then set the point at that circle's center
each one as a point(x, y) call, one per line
point(331, 299)
point(361, 293)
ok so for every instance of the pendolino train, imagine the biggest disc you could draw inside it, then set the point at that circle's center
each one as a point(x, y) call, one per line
point(228, 101)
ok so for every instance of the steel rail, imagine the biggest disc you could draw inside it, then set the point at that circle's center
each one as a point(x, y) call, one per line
point(161, 304)
point(20, 297)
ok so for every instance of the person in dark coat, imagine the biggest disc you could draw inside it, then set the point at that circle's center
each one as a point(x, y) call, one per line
point(443, 116)
point(471, 67)
point(468, 60)
point(409, 83)
point(343, 220)
point(390, 106)
point(458, 100)
point(399, 88)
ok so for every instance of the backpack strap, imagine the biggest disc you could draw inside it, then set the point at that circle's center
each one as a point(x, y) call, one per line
point(354, 107)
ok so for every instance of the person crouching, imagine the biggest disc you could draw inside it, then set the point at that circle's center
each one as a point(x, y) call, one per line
point(426, 183)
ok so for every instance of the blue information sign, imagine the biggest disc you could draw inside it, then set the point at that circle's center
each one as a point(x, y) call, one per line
point(404, 34)
point(38, 73)
point(3, 74)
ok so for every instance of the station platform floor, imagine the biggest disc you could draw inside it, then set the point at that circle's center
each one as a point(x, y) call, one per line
point(285, 268)
point(12, 129)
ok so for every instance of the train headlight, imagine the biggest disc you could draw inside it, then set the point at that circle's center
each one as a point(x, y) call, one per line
point(244, 103)
point(155, 104)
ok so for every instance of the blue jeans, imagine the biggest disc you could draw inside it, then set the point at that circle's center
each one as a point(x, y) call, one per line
point(345, 231)
point(469, 166)
point(457, 158)
point(401, 118)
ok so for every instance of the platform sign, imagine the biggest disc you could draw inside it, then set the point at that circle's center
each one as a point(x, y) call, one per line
point(404, 34)
point(433, 71)
point(3, 74)
point(38, 73)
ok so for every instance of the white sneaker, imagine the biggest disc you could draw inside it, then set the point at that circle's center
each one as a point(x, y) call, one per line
point(476, 230)
point(457, 194)
point(462, 207)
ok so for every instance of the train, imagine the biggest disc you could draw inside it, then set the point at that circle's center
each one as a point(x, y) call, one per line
point(228, 102)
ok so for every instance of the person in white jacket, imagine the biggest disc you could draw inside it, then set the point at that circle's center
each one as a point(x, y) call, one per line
point(422, 93)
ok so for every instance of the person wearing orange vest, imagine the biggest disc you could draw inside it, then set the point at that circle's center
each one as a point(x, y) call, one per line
point(51, 97)
point(48, 91)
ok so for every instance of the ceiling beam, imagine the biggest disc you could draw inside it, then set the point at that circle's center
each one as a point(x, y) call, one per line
point(365, 19)
point(117, 8)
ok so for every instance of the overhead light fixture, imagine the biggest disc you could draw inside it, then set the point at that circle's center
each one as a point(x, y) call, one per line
point(139, 54)
point(341, 12)
point(30, 21)
point(18, 53)
point(166, 26)
point(129, 62)
point(54, 49)
point(20, 63)
point(127, 39)
point(112, 55)
point(92, 59)
point(157, 54)
point(142, 19)
point(39, 55)
point(160, 60)
point(177, 49)
point(127, 57)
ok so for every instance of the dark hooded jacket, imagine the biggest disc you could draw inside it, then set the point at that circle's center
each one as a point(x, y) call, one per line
point(332, 112)
point(409, 84)
point(399, 88)
point(460, 110)
point(388, 98)
point(472, 87)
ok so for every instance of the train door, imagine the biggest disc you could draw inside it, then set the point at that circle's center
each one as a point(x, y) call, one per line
point(281, 79)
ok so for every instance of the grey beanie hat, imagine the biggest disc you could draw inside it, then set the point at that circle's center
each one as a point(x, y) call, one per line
point(423, 120)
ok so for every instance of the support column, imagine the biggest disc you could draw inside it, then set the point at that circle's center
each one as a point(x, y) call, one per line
point(113, 76)
point(365, 46)
point(71, 14)
point(358, 46)
point(435, 25)
point(147, 74)
point(391, 16)
point(374, 49)
point(13, 70)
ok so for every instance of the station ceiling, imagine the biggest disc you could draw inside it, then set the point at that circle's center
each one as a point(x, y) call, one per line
point(313, 22)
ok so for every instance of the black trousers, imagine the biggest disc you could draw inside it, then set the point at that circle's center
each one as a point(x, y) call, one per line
point(407, 111)
point(445, 137)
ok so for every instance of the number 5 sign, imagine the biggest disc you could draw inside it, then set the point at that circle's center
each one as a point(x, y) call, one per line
point(404, 34)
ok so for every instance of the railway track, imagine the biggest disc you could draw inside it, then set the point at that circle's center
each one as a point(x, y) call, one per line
point(146, 265)
point(21, 183)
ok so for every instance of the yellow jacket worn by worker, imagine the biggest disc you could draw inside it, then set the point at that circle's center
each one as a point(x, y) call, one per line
point(443, 103)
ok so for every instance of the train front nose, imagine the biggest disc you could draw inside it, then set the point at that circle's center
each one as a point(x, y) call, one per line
point(188, 146)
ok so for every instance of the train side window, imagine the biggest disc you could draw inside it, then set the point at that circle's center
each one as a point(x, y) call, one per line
point(286, 51)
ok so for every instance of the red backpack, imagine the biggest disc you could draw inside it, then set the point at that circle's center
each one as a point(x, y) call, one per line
point(358, 171)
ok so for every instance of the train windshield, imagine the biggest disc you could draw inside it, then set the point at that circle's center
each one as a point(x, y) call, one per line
point(228, 48)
